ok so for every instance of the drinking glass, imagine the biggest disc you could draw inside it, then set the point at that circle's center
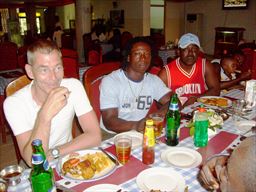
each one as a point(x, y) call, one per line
point(123, 144)
point(158, 120)
point(237, 107)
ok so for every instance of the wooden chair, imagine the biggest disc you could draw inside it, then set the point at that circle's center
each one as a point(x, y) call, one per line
point(11, 88)
point(125, 37)
point(92, 78)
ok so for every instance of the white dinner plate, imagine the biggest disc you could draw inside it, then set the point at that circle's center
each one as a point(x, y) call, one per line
point(245, 125)
point(163, 179)
point(104, 173)
point(103, 187)
point(181, 157)
point(213, 97)
point(136, 136)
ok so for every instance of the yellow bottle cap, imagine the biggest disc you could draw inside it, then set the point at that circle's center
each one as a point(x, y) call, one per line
point(150, 122)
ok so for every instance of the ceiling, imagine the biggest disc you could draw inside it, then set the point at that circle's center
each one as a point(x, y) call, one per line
point(21, 3)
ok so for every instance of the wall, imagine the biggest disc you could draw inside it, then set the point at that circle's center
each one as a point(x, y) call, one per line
point(214, 16)
point(174, 21)
point(66, 13)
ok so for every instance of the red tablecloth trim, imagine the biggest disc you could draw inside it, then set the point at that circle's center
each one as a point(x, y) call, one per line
point(217, 144)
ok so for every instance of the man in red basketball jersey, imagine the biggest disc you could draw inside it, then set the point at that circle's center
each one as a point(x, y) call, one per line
point(190, 76)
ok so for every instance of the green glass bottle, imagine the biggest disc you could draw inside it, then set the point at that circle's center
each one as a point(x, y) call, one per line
point(172, 122)
point(42, 178)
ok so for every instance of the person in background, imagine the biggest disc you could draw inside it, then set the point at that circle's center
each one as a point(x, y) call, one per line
point(45, 108)
point(127, 94)
point(57, 36)
point(190, 76)
point(115, 54)
point(236, 172)
point(227, 72)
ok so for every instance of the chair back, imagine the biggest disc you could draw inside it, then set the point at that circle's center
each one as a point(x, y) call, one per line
point(71, 68)
point(8, 56)
point(155, 70)
point(11, 88)
point(92, 79)
point(125, 37)
point(67, 41)
point(248, 55)
point(94, 57)
point(69, 53)
point(16, 85)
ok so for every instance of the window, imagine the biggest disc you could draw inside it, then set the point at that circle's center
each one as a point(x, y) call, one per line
point(23, 23)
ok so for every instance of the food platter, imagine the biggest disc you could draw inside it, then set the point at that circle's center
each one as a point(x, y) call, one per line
point(215, 101)
point(85, 165)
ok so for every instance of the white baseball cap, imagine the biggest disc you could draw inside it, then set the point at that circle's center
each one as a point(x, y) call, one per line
point(188, 39)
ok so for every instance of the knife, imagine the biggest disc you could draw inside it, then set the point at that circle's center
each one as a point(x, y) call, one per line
point(115, 161)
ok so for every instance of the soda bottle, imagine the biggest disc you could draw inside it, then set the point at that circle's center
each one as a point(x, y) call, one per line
point(42, 178)
point(148, 153)
point(172, 122)
point(201, 127)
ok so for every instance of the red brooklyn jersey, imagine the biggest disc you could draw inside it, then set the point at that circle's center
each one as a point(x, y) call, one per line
point(186, 84)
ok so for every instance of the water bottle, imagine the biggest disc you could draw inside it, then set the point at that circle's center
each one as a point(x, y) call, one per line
point(201, 127)
point(42, 178)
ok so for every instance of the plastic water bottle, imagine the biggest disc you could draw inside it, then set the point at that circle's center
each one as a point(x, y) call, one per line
point(201, 127)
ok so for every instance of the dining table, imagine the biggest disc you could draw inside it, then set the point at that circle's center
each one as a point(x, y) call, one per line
point(125, 176)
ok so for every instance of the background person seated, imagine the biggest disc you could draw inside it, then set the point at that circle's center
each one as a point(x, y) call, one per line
point(227, 73)
point(190, 76)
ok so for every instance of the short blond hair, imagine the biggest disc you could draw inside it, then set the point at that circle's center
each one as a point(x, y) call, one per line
point(42, 46)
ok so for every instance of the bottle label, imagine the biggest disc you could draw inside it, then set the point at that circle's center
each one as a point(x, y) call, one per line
point(149, 137)
point(174, 106)
point(46, 165)
point(37, 159)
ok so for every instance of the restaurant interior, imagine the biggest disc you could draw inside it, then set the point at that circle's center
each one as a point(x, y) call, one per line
point(220, 29)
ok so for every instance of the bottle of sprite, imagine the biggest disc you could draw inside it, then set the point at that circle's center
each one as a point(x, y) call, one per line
point(172, 122)
point(42, 178)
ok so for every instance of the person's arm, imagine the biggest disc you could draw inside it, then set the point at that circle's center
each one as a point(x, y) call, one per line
point(113, 123)
point(232, 83)
point(90, 137)
point(210, 172)
point(56, 100)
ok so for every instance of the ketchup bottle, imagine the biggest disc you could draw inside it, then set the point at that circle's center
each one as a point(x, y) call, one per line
point(148, 153)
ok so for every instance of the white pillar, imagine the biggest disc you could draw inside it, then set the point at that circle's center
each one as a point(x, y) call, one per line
point(83, 25)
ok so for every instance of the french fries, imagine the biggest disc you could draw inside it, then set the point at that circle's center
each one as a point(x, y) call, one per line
point(86, 166)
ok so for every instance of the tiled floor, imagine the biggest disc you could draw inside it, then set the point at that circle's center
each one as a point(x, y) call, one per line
point(7, 151)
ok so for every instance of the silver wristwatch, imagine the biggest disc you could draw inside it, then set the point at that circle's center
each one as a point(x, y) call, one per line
point(55, 153)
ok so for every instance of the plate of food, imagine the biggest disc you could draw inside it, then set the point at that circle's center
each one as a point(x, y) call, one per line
point(85, 165)
point(215, 101)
